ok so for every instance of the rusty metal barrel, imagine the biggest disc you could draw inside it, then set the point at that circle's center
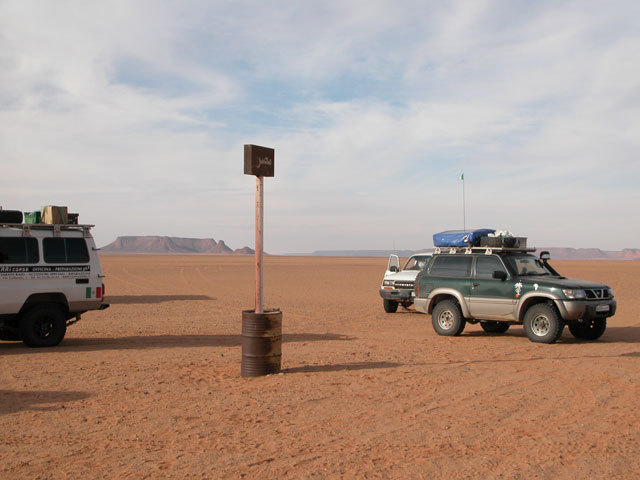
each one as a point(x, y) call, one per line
point(261, 342)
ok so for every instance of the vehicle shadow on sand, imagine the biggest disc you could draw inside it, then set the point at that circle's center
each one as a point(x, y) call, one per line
point(620, 335)
point(12, 401)
point(611, 335)
point(145, 299)
point(342, 367)
point(159, 341)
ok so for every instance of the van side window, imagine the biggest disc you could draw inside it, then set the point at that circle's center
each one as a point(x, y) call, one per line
point(451, 266)
point(65, 250)
point(19, 250)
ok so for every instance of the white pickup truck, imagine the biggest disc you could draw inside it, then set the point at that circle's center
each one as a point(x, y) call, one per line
point(397, 285)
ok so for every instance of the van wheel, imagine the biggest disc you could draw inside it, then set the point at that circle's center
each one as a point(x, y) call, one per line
point(494, 327)
point(43, 325)
point(589, 330)
point(447, 319)
point(542, 324)
point(390, 306)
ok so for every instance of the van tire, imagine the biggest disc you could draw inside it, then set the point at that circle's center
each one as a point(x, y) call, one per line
point(43, 325)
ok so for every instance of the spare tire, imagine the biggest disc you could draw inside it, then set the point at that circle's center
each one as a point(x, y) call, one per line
point(10, 216)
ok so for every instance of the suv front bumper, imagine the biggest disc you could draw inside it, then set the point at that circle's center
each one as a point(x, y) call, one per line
point(395, 294)
point(572, 310)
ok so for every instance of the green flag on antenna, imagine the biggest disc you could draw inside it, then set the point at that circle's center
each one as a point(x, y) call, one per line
point(461, 177)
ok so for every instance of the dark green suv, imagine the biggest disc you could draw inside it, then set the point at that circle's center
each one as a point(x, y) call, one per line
point(501, 286)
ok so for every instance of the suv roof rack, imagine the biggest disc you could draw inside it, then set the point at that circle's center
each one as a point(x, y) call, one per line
point(486, 250)
point(57, 228)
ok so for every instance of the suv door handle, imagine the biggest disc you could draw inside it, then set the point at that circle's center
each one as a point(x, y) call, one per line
point(474, 285)
point(82, 280)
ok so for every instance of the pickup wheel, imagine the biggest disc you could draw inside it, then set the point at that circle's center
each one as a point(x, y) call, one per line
point(390, 306)
point(542, 324)
point(589, 329)
point(447, 318)
point(494, 327)
point(43, 325)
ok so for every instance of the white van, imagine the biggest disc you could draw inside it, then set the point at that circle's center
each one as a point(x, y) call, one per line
point(49, 276)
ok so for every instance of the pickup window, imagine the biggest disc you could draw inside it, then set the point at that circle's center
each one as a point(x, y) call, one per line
point(451, 266)
point(19, 250)
point(65, 250)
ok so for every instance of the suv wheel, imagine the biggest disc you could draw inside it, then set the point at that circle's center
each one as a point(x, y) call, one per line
point(390, 306)
point(43, 325)
point(543, 324)
point(447, 318)
point(589, 329)
point(494, 327)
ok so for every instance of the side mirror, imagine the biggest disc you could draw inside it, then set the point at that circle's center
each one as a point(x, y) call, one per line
point(500, 275)
point(544, 256)
point(393, 268)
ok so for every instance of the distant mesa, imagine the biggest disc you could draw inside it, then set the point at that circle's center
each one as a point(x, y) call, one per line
point(556, 253)
point(172, 245)
point(244, 251)
point(592, 254)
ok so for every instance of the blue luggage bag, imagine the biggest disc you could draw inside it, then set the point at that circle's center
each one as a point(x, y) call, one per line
point(460, 238)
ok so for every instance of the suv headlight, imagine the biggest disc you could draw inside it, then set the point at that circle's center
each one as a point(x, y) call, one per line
point(574, 294)
point(610, 290)
point(387, 283)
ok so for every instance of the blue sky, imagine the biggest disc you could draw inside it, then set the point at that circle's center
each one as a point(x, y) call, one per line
point(135, 113)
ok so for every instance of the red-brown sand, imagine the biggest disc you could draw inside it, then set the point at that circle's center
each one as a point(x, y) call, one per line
point(151, 387)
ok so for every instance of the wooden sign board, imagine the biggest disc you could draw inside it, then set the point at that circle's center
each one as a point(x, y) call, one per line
point(259, 161)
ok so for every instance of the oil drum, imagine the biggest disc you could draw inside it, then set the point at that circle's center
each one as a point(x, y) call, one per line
point(261, 342)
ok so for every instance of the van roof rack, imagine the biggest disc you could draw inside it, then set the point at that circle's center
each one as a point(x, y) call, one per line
point(56, 228)
point(486, 250)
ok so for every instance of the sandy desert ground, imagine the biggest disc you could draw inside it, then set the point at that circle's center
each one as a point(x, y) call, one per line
point(151, 387)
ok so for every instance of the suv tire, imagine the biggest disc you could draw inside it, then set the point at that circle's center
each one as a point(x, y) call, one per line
point(390, 306)
point(542, 324)
point(43, 325)
point(589, 330)
point(495, 327)
point(447, 318)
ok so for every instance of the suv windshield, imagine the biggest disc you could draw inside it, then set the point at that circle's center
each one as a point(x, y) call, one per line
point(526, 265)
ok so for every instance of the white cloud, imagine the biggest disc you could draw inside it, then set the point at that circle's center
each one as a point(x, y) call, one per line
point(136, 112)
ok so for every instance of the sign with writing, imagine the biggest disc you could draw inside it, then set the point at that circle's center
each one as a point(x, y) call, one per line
point(44, 271)
point(259, 161)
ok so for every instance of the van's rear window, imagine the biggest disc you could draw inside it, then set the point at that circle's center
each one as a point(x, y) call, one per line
point(19, 250)
point(65, 250)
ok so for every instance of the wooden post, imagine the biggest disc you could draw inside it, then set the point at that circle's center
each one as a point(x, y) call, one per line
point(261, 331)
point(259, 239)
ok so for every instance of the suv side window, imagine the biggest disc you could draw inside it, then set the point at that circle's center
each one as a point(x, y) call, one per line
point(65, 250)
point(451, 266)
point(19, 250)
point(485, 266)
